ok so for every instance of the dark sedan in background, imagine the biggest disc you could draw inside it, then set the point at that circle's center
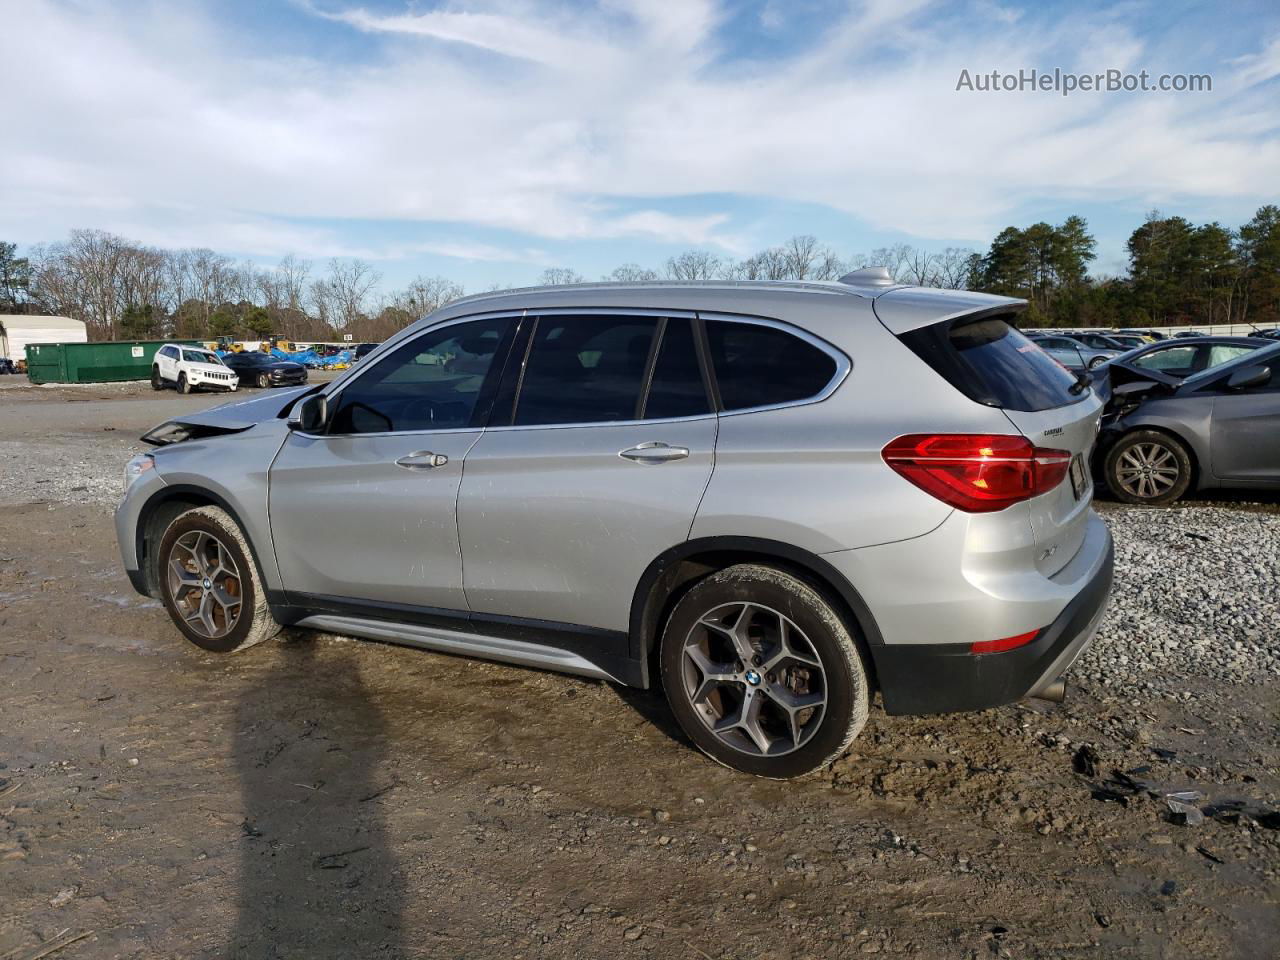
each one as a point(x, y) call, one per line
point(264, 370)
point(1162, 435)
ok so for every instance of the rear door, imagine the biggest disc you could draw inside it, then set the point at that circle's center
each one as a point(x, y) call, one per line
point(596, 466)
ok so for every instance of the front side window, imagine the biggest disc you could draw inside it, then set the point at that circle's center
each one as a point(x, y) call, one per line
point(760, 366)
point(432, 382)
point(585, 369)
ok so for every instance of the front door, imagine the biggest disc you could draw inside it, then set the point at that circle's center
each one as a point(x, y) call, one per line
point(597, 468)
point(366, 511)
point(1246, 431)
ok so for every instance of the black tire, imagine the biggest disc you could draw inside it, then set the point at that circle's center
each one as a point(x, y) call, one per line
point(841, 673)
point(183, 385)
point(264, 381)
point(1147, 466)
point(156, 382)
point(1097, 362)
point(253, 622)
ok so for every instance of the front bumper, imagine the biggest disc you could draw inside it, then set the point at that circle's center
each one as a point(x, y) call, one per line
point(947, 678)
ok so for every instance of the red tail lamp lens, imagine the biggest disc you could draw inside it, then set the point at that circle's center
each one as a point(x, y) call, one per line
point(1008, 643)
point(977, 473)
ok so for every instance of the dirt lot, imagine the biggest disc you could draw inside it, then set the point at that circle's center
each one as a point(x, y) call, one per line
point(323, 797)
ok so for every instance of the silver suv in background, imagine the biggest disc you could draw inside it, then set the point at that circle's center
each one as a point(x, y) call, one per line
point(773, 499)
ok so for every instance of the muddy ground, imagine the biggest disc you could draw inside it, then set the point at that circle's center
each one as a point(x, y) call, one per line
point(323, 797)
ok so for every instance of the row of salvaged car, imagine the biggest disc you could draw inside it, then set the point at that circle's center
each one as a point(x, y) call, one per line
point(1185, 414)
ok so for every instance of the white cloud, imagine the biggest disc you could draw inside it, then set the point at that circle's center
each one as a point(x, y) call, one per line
point(524, 117)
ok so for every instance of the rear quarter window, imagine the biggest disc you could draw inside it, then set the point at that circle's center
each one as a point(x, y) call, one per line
point(992, 362)
point(762, 366)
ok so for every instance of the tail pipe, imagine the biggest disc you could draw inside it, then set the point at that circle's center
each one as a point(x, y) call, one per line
point(1055, 691)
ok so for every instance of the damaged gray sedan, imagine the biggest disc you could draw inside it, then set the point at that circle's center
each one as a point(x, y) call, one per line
point(1163, 436)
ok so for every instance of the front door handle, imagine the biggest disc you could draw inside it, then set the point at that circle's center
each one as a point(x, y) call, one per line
point(422, 460)
point(654, 452)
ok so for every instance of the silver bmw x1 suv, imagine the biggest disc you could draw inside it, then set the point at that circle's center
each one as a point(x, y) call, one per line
point(772, 498)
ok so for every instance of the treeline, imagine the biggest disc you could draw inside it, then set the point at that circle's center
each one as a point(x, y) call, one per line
point(1178, 273)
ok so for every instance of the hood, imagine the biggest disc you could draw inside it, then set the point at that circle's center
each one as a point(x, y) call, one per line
point(208, 367)
point(228, 417)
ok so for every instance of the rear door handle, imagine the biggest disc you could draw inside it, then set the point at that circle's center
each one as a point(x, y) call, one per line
point(654, 452)
point(422, 460)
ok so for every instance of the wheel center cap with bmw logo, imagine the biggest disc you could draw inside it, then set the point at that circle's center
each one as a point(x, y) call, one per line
point(753, 678)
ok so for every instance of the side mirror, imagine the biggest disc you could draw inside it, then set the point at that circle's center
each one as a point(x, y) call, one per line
point(310, 415)
point(1251, 376)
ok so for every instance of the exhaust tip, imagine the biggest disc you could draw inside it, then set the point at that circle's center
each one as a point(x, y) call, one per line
point(1054, 692)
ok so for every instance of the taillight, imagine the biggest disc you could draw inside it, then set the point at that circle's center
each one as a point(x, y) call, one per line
point(977, 473)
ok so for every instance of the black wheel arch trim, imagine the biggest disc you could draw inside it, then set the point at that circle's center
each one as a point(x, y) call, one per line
point(644, 628)
point(168, 494)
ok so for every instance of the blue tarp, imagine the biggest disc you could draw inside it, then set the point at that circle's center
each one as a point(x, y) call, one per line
point(309, 358)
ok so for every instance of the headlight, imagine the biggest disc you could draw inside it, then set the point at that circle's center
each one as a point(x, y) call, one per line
point(136, 468)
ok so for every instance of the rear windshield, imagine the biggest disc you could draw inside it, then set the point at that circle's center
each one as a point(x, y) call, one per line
point(993, 363)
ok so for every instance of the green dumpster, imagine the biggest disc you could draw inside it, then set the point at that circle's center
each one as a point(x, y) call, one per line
point(94, 362)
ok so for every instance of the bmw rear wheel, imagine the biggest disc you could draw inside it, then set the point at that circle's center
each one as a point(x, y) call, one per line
point(762, 673)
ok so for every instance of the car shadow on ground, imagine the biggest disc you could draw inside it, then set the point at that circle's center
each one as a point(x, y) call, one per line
point(318, 874)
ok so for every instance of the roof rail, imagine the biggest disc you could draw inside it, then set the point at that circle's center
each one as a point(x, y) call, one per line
point(868, 277)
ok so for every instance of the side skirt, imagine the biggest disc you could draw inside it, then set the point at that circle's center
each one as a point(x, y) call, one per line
point(468, 644)
point(564, 648)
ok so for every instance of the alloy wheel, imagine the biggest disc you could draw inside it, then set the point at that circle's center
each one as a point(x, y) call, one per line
point(204, 584)
point(754, 679)
point(1147, 470)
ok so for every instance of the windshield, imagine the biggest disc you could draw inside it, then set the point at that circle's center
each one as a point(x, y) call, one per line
point(251, 358)
point(200, 356)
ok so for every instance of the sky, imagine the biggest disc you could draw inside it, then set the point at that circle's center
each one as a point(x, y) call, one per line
point(486, 140)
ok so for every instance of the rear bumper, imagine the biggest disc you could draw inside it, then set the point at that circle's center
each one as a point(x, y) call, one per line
point(946, 678)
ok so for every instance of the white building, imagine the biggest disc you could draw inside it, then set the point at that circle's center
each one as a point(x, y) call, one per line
point(17, 330)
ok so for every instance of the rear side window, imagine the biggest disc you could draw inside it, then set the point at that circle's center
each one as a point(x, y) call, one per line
point(676, 389)
point(993, 363)
point(583, 369)
point(759, 366)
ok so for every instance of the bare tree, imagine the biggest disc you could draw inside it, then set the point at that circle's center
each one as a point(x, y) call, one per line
point(631, 273)
point(695, 265)
point(952, 268)
point(558, 276)
point(425, 295)
point(341, 297)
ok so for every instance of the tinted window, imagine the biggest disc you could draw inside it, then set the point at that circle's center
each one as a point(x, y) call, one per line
point(1181, 360)
point(585, 370)
point(432, 382)
point(1223, 352)
point(993, 363)
point(757, 366)
point(677, 389)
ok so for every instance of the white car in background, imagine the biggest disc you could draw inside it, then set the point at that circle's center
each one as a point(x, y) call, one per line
point(191, 368)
